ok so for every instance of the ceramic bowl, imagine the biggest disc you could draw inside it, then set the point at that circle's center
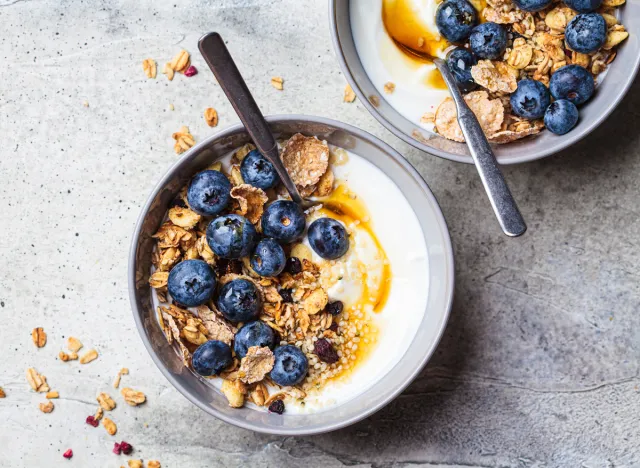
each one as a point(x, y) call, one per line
point(610, 92)
point(432, 324)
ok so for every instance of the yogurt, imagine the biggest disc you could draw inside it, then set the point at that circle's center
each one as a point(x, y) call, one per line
point(392, 38)
point(383, 277)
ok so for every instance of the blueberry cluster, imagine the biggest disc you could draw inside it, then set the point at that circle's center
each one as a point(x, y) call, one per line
point(570, 86)
point(232, 237)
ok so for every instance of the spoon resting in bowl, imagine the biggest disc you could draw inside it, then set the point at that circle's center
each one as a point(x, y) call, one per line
point(219, 59)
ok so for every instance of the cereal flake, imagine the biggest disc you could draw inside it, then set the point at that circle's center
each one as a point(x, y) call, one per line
point(306, 159)
point(257, 363)
point(251, 200)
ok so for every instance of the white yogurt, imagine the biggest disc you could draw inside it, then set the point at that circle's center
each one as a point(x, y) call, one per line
point(398, 231)
point(384, 62)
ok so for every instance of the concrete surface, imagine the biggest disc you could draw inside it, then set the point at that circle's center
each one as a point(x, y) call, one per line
point(539, 366)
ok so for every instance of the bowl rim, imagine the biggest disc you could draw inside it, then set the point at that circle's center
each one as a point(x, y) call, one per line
point(562, 144)
point(291, 118)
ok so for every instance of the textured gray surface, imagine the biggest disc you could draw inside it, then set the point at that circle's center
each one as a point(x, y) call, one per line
point(539, 365)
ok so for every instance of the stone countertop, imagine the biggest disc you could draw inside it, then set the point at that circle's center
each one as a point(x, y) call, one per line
point(539, 364)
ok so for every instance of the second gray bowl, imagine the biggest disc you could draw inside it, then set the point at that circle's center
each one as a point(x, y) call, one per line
point(610, 92)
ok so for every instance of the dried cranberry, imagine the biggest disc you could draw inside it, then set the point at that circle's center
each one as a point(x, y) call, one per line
point(116, 448)
point(68, 454)
point(334, 327)
point(225, 267)
point(126, 447)
point(191, 71)
point(286, 295)
point(294, 265)
point(334, 308)
point(92, 421)
point(277, 407)
point(325, 351)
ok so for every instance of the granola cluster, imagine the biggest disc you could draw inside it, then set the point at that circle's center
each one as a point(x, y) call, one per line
point(536, 50)
point(295, 304)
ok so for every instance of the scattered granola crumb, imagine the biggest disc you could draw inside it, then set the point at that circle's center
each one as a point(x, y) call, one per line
point(106, 402)
point(181, 61)
point(37, 381)
point(389, 87)
point(85, 103)
point(99, 414)
point(134, 463)
point(171, 107)
point(89, 356)
point(349, 94)
point(46, 407)
point(92, 421)
point(277, 82)
point(191, 71)
point(167, 70)
point(39, 337)
point(52, 395)
point(153, 464)
point(184, 140)
point(110, 426)
point(277, 407)
point(374, 100)
point(116, 381)
point(74, 344)
point(2, 394)
point(149, 67)
point(211, 116)
point(68, 454)
point(133, 397)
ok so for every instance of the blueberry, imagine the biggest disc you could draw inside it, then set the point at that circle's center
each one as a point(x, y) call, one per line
point(583, 6)
point(532, 5)
point(239, 301)
point(211, 358)
point(191, 282)
point(586, 33)
point(460, 61)
point(561, 116)
point(268, 258)
point(284, 221)
point(455, 19)
point(277, 406)
point(208, 192)
point(334, 308)
point(231, 236)
point(572, 82)
point(488, 41)
point(256, 170)
point(253, 334)
point(530, 99)
point(328, 238)
point(290, 366)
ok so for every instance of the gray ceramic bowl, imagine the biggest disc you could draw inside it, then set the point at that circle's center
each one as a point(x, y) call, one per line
point(441, 279)
point(617, 82)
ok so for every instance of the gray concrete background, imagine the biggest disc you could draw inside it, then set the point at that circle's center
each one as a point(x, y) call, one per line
point(539, 365)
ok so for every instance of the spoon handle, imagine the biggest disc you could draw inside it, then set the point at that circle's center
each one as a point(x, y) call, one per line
point(219, 59)
point(502, 201)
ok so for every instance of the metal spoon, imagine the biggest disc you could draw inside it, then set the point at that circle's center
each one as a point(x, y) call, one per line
point(219, 59)
point(503, 203)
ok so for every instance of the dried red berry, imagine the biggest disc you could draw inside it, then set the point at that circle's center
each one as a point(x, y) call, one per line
point(91, 420)
point(277, 407)
point(116, 448)
point(334, 308)
point(191, 71)
point(325, 351)
point(334, 327)
point(68, 454)
point(293, 265)
point(126, 447)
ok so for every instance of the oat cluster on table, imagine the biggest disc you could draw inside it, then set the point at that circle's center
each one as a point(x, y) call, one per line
point(290, 309)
